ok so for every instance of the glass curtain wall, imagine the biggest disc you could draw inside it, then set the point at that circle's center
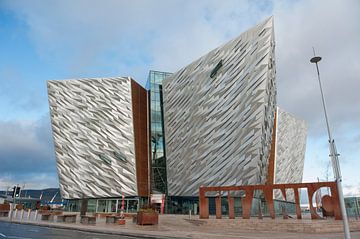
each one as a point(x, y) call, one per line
point(158, 157)
point(131, 205)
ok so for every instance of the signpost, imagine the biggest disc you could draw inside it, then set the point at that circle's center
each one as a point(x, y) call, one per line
point(333, 155)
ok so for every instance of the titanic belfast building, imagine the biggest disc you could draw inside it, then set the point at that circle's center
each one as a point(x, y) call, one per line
point(214, 122)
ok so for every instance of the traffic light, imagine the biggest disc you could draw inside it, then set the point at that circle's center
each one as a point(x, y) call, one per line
point(16, 192)
point(13, 192)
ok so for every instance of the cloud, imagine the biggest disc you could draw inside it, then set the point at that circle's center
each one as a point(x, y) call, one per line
point(106, 38)
point(333, 29)
point(27, 152)
point(17, 95)
point(161, 34)
point(129, 38)
point(29, 181)
point(351, 190)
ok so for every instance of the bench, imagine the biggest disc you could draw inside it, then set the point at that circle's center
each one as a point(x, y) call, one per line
point(67, 218)
point(47, 217)
point(4, 210)
point(102, 214)
point(56, 212)
point(88, 220)
point(113, 218)
point(4, 213)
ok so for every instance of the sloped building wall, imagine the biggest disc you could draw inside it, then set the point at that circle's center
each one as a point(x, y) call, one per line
point(290, 150)
point(93, 132)
point(218, 115)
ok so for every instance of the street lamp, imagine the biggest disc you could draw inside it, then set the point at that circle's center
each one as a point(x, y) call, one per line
point(333, 155)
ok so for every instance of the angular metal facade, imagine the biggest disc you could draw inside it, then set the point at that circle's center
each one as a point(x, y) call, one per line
point(290, 150)
point(218, 115)
point(211, 123)
point(93, 132)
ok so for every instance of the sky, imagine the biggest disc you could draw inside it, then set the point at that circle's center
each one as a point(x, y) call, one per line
point(46, 40)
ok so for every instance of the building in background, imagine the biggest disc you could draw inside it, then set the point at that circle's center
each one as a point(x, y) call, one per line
point(219, 113)
point(290, 151)
point(211, 123)
point(100, 136)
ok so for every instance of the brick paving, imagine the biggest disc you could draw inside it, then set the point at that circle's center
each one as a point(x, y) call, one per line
point(180, 226)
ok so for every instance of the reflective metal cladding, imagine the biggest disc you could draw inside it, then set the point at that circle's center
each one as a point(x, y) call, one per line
point(212, 123)
point(95, 140)
point(219, 114)
point(290, 151)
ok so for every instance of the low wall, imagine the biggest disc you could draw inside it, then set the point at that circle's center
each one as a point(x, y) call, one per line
point(279, 224)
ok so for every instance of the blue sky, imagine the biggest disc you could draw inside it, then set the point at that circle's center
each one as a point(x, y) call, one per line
point(43, 40)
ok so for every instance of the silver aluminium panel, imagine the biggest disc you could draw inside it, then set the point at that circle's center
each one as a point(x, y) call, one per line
point(218, 115)
point(93, 135)
point(290, 150)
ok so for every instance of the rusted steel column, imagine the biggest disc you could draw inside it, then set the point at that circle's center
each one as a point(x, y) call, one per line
point(218, 207)
point(231, 207)
point(268, 192)
point(311, 190)
point(246, 202)
point(271, 167)
point(297, 203)
point(204, 204)
point(283, 192)
point(336, 202)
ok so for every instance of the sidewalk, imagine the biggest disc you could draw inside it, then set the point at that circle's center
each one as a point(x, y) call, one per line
point(180, 226)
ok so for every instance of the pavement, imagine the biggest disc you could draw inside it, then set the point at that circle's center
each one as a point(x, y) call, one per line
point(179, 226)
point(21, 231)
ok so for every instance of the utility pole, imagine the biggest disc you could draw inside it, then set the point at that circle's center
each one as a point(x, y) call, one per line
point(333, 155)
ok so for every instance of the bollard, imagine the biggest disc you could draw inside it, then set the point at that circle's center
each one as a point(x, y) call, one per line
point(11, 211)
point(15, 213)
point(22, 214)
point(11, 214)
point(28, 216)
point(189, 214)
point(36, 213)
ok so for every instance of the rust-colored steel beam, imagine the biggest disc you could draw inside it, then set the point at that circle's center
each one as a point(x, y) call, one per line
point(297, 204)
point(218, 207)
point(271, 167)
point(231, 205)
point(268, 193)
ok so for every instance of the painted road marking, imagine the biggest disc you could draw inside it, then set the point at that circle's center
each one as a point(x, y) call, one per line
point(15, 237)
point(2, 235)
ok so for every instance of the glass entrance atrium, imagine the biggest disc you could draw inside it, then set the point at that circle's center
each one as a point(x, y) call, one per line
point(158, 157)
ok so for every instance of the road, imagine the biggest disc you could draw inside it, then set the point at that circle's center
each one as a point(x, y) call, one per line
point(20, 231)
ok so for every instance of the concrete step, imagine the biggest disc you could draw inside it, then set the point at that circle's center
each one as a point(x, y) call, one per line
point(289, 225)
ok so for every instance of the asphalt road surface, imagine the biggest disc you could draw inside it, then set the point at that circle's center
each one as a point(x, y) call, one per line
point(20, 231)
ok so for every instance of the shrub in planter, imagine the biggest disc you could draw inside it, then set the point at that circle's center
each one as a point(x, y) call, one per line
point(147, 216)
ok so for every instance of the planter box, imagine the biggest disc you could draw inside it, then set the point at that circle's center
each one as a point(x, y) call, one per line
point(91, 220)
point(4, 210)
point(121, 221)
point(147, 218)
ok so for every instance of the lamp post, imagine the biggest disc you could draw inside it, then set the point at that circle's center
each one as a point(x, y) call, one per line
point(333, 155)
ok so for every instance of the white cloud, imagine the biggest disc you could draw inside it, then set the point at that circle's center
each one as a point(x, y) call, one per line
point(128, 38)
point(27, 154)
point(100, 38)
point(333, 28)
point(31, 181)
point(351, 190)
point(161, 34)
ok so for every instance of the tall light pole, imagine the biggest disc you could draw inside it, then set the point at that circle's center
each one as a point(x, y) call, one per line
point(333, 155)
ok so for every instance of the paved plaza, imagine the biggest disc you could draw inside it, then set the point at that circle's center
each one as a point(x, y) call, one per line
point(181, 226)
